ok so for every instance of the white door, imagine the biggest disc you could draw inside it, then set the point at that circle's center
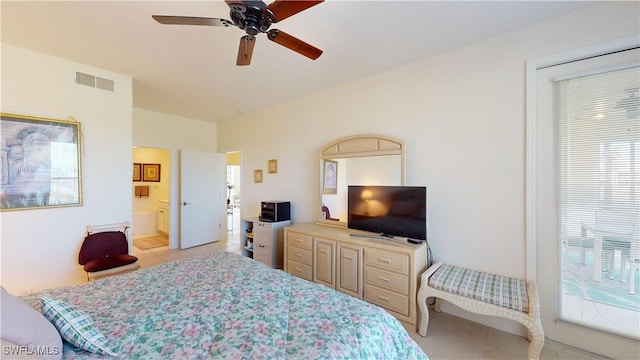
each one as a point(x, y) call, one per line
point(560, 307)
point(202, 198)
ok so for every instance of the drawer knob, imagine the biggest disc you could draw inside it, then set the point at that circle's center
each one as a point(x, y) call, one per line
point(348, 257)
point(384, 298)
point(384, 279)
point(299, 255)
point(386, 261)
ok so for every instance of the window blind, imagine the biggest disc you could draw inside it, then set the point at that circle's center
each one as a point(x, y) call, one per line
point(598, 155)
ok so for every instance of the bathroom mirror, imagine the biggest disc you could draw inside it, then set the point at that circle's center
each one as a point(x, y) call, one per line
point(356, 160)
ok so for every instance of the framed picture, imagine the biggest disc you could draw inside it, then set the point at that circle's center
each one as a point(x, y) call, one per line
point(330, 177)
point(273, 166)
point(151, 172)
point(137, 172)
point(40, 163)
point(257, 176)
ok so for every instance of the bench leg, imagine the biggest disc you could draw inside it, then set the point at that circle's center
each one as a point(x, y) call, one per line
point(536, 336)
point(535, 347)
point(424, 313)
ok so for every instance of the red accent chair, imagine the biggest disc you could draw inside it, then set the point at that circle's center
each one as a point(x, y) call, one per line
point(106, 253)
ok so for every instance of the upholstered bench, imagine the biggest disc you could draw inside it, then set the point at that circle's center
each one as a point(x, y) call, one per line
point(483, 293)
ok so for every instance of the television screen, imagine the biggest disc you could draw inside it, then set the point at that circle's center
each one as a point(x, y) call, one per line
point(388, 210)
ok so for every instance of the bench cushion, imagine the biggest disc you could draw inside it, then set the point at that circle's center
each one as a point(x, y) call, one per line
point(493, 289)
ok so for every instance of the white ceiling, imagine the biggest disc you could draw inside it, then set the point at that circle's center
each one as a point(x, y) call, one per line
point(190, 71)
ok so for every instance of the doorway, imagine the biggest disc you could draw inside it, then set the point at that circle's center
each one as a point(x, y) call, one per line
point(573, 162)
point(150, 192)
point(233, 194)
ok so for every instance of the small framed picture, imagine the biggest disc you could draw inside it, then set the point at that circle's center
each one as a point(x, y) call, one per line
point(137, 172)
point(273, 166)
point(151, 172)
point(257, 176)
point(330, 178)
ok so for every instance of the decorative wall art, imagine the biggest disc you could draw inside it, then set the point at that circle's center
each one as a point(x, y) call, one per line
point(137, 172)
point(330, 183)
point(257, 176)
point(151, 172)
point(40, 163)
point(273, 166)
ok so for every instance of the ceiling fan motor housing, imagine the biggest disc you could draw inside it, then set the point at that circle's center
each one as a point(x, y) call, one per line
point(250, 16)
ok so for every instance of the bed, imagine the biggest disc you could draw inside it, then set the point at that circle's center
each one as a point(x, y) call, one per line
point(224, 306)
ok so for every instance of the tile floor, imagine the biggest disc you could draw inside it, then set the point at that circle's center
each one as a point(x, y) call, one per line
point(449, 337)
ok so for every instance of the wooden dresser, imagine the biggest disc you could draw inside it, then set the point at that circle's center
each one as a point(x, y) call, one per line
point(382, 272)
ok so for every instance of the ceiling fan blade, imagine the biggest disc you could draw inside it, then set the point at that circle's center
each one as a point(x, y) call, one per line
point(190, 20)
point(245, 50)
point(294, 44)
point(282, 9)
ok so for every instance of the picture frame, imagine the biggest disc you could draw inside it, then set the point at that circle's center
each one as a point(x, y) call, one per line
point(257, 176)
point(330, 177)
point(273, 166)
point(40, 162)
point(151, 172)
point(137, 172)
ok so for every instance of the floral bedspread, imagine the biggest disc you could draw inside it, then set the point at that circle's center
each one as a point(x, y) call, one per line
point(224, 306)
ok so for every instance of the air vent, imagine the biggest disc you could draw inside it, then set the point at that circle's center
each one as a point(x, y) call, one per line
point(94, 81)
point(85, 79)
point(104, 84)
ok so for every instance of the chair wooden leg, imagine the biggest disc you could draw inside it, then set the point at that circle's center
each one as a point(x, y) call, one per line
point(624, 261)
point(633, 266)
point(611, 260)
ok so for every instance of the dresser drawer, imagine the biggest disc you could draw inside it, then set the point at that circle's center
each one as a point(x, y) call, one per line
point(387, 280)
point(387, 299)
point(300, 240)
point(387, 260)
point(300, 270)
point(300, 255)
point(263, 254)
point(265, 241)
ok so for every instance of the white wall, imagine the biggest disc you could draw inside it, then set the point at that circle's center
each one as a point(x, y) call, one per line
point(40, 247)
point(462, 117)
point(162, 131)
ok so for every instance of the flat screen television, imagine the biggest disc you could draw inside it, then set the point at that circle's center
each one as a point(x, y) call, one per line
point(388, 210)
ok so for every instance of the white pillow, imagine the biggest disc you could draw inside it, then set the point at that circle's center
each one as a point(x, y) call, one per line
point(24, 331)
point(75, 326)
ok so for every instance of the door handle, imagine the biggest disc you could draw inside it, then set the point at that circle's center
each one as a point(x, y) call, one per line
point(185, 203)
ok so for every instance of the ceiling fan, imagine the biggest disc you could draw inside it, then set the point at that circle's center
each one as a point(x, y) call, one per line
point(255, 17)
